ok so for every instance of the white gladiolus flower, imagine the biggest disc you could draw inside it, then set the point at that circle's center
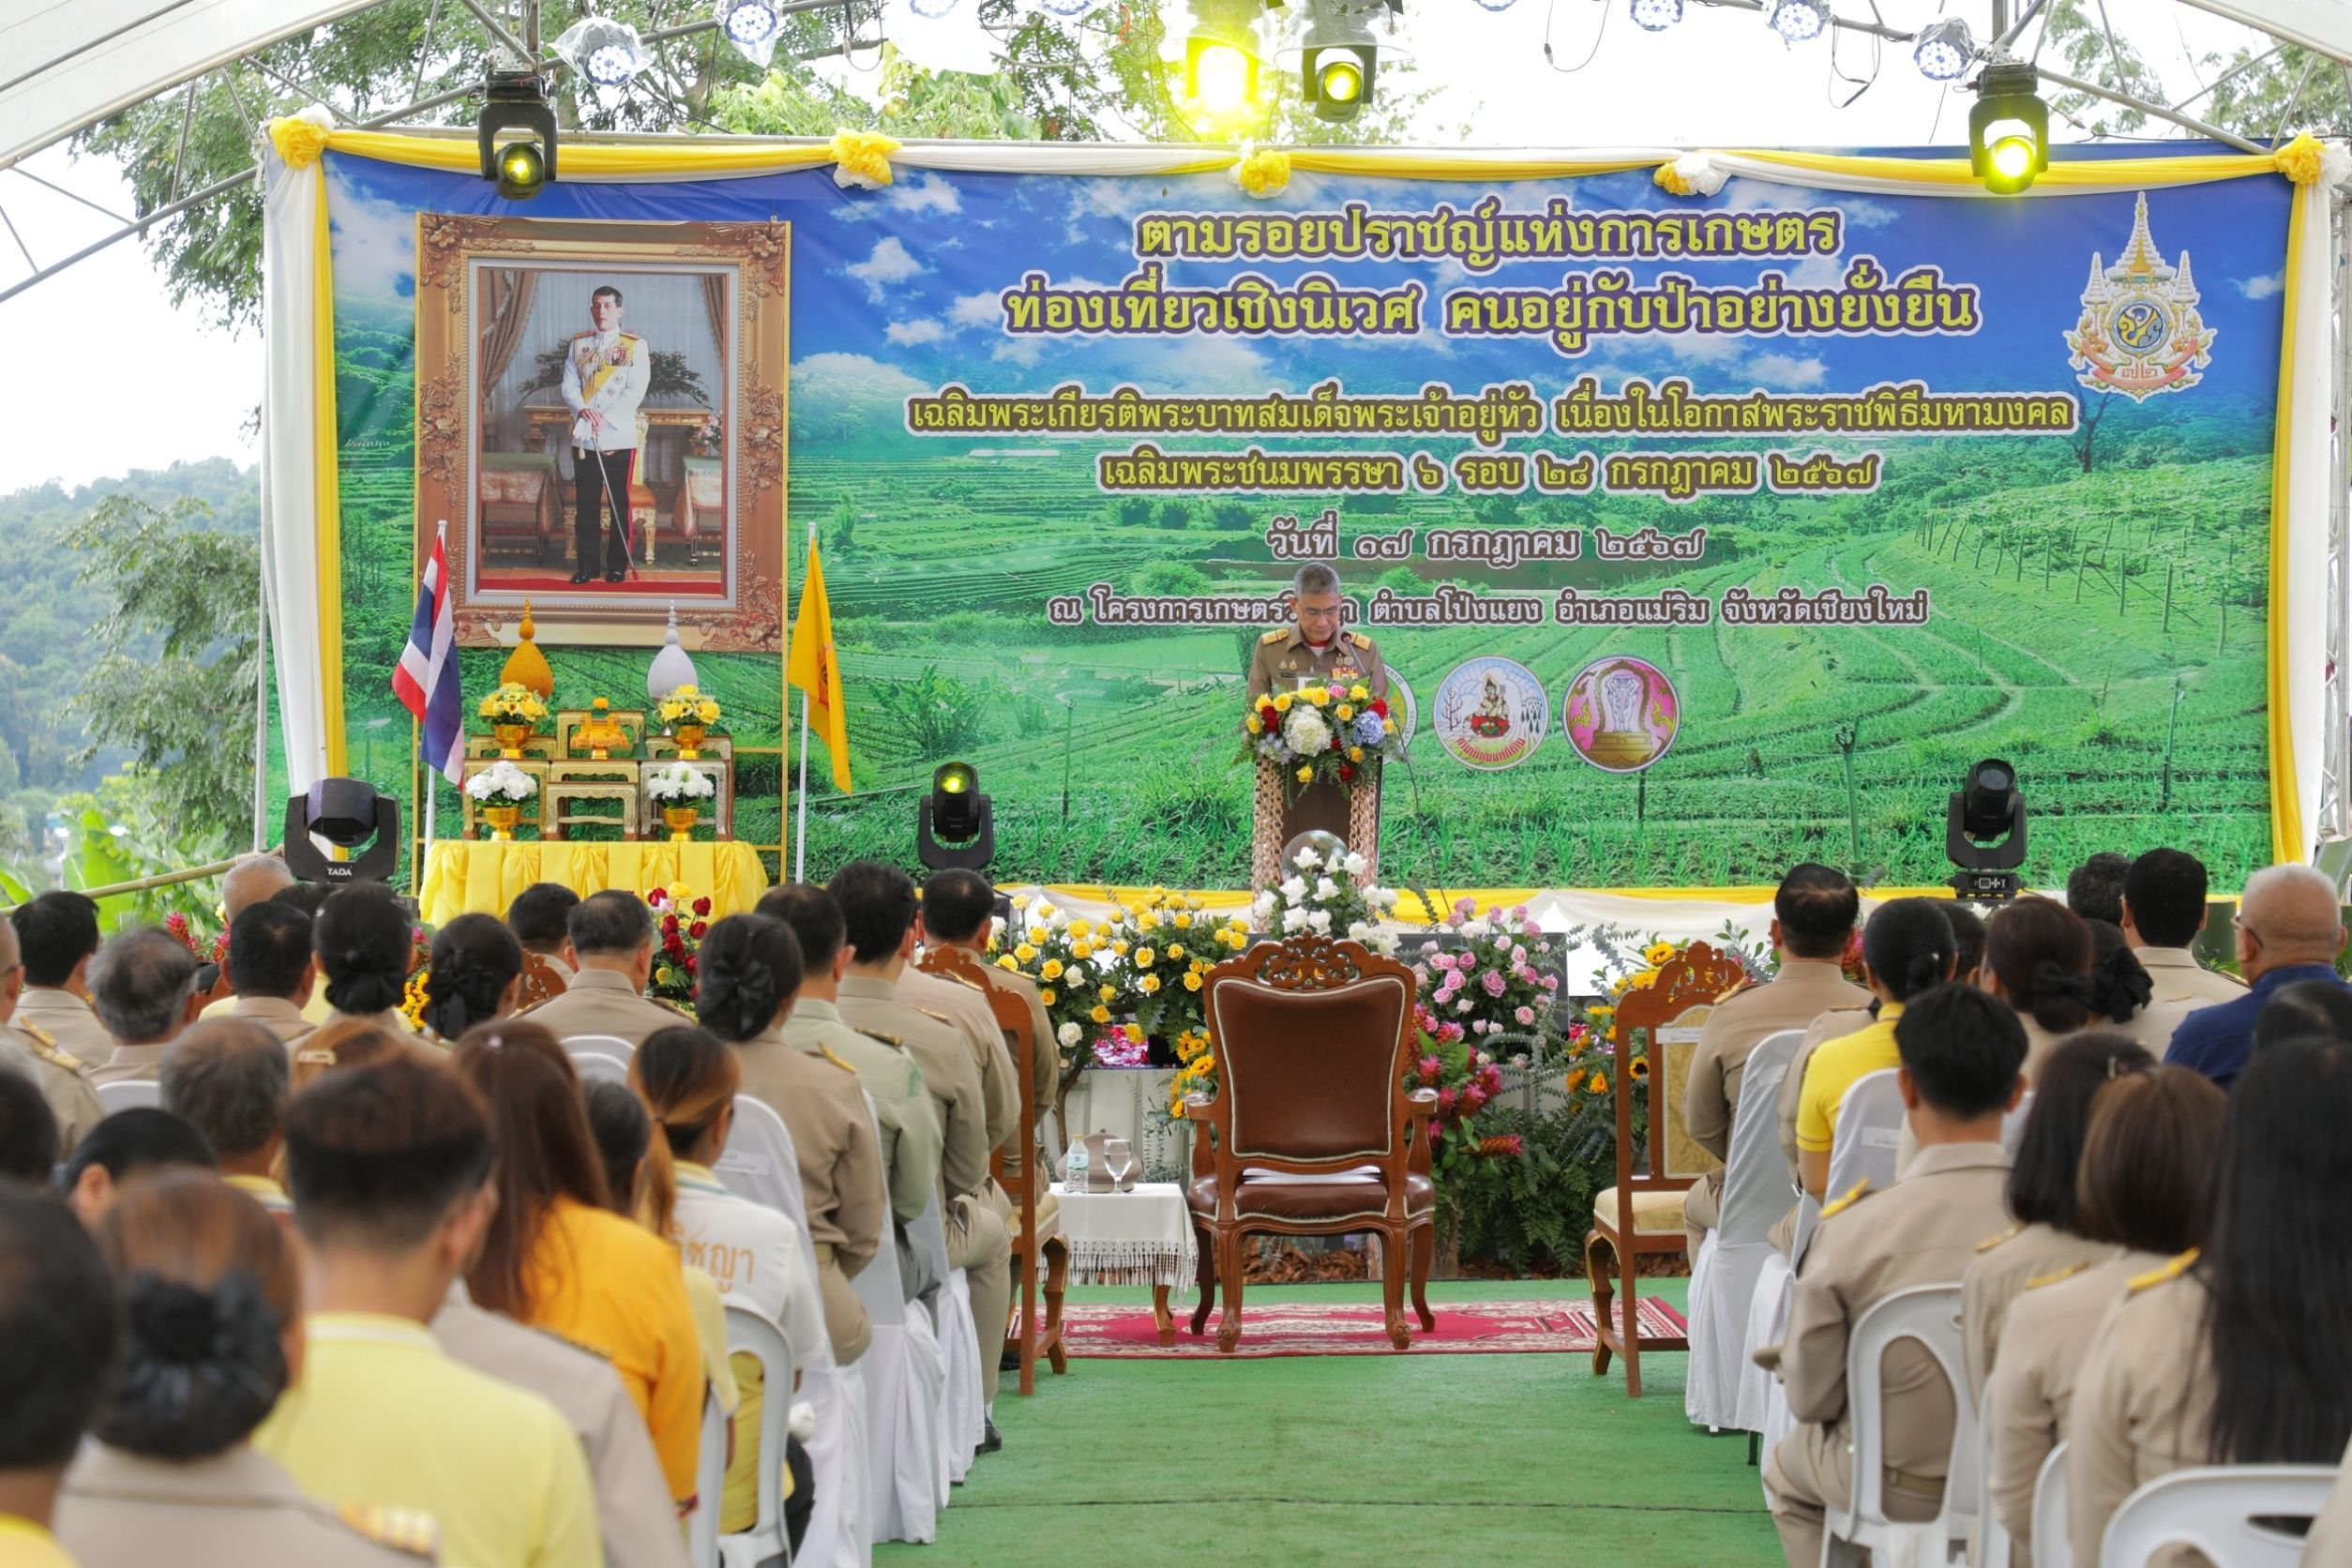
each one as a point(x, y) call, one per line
point(1333, 862)
point(1384, 896)
point(1356, 863)
point(1069, 1034)
point(1262, 907)
point(1320, 920)
point(1304, 858)
point(1294, 920)
point(1382, 942)
point(1357, 930)
point(1326, 888)
point(1294, 890)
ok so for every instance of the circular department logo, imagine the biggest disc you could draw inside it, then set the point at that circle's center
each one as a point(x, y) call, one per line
point(1401, 707)
point(2140, 324)
point(1492, 714)
point(1621, 714)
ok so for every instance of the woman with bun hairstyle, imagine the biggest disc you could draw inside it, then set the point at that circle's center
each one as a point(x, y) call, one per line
point(364, 941)
point(474, 976)
point(212, 1309)
point(2038, 958)
point(2121, 990)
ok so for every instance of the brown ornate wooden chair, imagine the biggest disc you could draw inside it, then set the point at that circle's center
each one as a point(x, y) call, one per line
point(1312, 1039)
point(1658, 1026)
point(540, 979)
point(1016, 1169)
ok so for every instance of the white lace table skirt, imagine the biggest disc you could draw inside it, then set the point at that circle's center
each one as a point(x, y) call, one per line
point(1140, 1237)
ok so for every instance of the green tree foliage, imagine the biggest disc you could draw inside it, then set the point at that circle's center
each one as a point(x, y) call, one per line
point(935, 714)
point(2255, 91)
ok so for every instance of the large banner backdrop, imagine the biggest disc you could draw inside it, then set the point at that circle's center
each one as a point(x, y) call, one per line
point(1685, 524)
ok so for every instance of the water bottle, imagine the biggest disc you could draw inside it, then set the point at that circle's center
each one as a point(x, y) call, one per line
point(1074, 1169)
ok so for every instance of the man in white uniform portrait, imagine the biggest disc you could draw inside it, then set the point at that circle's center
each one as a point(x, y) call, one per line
point(606, 373)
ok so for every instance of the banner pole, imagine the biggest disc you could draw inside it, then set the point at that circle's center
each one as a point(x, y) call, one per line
point(800, 833)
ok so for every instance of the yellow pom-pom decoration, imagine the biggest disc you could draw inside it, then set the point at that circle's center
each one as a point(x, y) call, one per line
point(862, 159)
point(1262, 172)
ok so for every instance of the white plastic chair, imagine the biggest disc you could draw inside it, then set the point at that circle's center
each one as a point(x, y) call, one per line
point(710, 1487)
point(2053, 1547)
point(963, 1410)
point(2213, 1510)
point(596, 1067)
point(767, 1540)
point(902, 1408)
point(129, 1094)
point(2014, 1125)
point(1929, 1313)
point(1723, 1276)
point(603, 1045)
point(1993, 1542)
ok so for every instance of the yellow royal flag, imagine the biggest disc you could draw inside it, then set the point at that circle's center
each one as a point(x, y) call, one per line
point(817, 671)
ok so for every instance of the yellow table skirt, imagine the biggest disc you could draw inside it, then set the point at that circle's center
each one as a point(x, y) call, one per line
point(467, 877)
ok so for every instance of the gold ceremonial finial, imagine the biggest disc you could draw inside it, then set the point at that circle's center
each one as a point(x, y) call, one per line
point(526, 666)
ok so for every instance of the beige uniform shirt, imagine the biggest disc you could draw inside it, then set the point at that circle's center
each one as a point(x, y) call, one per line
point(1283, 656)
point(391, 1019)
point(634, 1513)
point(970, 1012)
point(1922, 1230)
point(909, 1126)
point(68, 1019)
point(2002, 1266)
point(65, 1082)
point(2143, 1404)
point(1829, 1026)
point(2029, 1403)
point(1804, 991)
point(132, 1064)
point(601, 1002)
point(236, 1510)
point(276, 1013)
point(2180, 987)
point(943, 1055)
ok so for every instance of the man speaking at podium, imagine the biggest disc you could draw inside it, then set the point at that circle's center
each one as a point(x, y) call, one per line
point(1315, 648)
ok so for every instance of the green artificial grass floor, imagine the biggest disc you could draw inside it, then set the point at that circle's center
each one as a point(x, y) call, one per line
point(1357, 1460)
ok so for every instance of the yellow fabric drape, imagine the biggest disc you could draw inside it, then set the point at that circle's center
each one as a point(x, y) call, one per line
point(327, 494)
point(468, 877)
point(2286, 799)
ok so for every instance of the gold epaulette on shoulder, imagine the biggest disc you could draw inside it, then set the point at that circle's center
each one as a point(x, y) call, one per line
point(2067, 1273)
point(826, 1051)
point(937, 1018)
point(2172, 1270)
point(665, 1001)
point(35, 1034)
point(404, 1530)
point(1275, 636)
point(1852, 1197)
point(891, 1040)
point(1989, 1243)
point(529, 1008)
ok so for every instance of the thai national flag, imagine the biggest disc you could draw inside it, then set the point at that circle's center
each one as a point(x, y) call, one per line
point(427, 679)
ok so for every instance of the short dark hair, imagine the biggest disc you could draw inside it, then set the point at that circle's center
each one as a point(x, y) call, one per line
point(59, 1328)
point(140, 983)
point(2166, 889)
point(377, 1156)
point(749, 964)
point(877, 908)
point(1908, 946)
point(28, 1132)
point(1963, 1049)
point(957, 905)
point(603, 289)
point(54, 934)
point(2095, 889)
point(363, 939)
point(269, 947)
point(1817, 906)
point(2307, 1007)
point(612, 921)
point(2146, 1176)
point(1968, 933)
point(143, 1138)
point(814, 917)
point(541, 916)
point(307, 896)
point(228, 1077)
point(2041, 1175)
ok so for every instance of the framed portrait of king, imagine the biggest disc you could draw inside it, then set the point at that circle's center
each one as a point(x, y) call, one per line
point(601, 420)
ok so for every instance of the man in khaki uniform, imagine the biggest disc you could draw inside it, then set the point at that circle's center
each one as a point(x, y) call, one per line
point(876, 905)
point(228, 1079)
point(955, 1002)
point(612, 936)
point(1315, 646)
point(57, 936)
point(2164, 910)
point(1812, 916)
point(272, 970)
point(227, 1510)
point(143, 986)
point(63, 1081)
point(1961, 1052)
point(911, 1137)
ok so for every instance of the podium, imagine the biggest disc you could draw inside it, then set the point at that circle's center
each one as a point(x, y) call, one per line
point(1353, 814)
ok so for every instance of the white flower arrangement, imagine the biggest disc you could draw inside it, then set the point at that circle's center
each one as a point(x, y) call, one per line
point(1337, 898)
point(679, 784)
point(502, 784)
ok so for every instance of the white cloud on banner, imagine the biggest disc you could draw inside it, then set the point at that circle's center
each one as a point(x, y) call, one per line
point(2260, 288)
point(909, 334)
point(889, 264)
point(375, 247)
point(1787, 371)
point(928, 194)
point(984, 308)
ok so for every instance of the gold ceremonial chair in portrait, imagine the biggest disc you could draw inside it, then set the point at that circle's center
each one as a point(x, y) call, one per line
point(1015, 1165)
point(1651, 1038)
point(1311, 1131)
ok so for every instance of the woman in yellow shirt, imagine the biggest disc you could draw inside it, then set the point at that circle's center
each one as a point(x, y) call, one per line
point(556, 1257)
point(1907, 948)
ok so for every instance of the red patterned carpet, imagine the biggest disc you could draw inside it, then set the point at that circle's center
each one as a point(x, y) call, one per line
point(1294, 1328)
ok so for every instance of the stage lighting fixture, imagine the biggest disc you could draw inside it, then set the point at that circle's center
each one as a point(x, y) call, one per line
point(524, 166)
point(348, 814)
point(955, 824)
point(2009, 129)
point(1985, 832)
point(1338, 49)
point(1796, 20)
point(1655, 16)
point(1943, 49)
point(1223, 55)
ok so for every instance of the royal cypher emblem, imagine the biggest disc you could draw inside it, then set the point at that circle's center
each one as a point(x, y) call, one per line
point(2139, 333)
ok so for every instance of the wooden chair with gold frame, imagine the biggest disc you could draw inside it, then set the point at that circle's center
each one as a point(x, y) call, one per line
point(1651, 1038)
point(1016, 1167)
point(540, 980)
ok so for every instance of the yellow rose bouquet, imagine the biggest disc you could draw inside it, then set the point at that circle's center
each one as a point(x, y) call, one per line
point(1167, 945)
point(514, 703)
point(686, 704)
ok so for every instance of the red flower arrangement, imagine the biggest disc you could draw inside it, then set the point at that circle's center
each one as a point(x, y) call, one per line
point(679, 925)
point(185, 934)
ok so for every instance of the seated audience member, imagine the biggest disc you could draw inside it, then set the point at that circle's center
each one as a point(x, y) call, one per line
point(686, 1079)
point(2038, 958)
point(309, 897)
point(143, 986)
point(129, 1144)
point(2144, 1191)
point(1907, 949)
point(750, 974)
point(363, 942)
point(29, 1145)
point(2289, 929)
point(2164, 910)
point(271, 970)
point(1967, 931)
point(2095, 889)
point(540, 919)
point(2234, 1354)
point(228, 1080)
point(255, 879)
point(1961, 1052)
point(2120, 988)
point(2308, 1007)
point(57, 936)
point(389, 1166)
point(344, 1043)
point(212, 1311)
point(58, 1336)
point(556, 1257)
point(611, 937)
point(475, 975)
point(959, 910)
point(1812, 916)
point(26, 1051)
point(2045, 1234)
